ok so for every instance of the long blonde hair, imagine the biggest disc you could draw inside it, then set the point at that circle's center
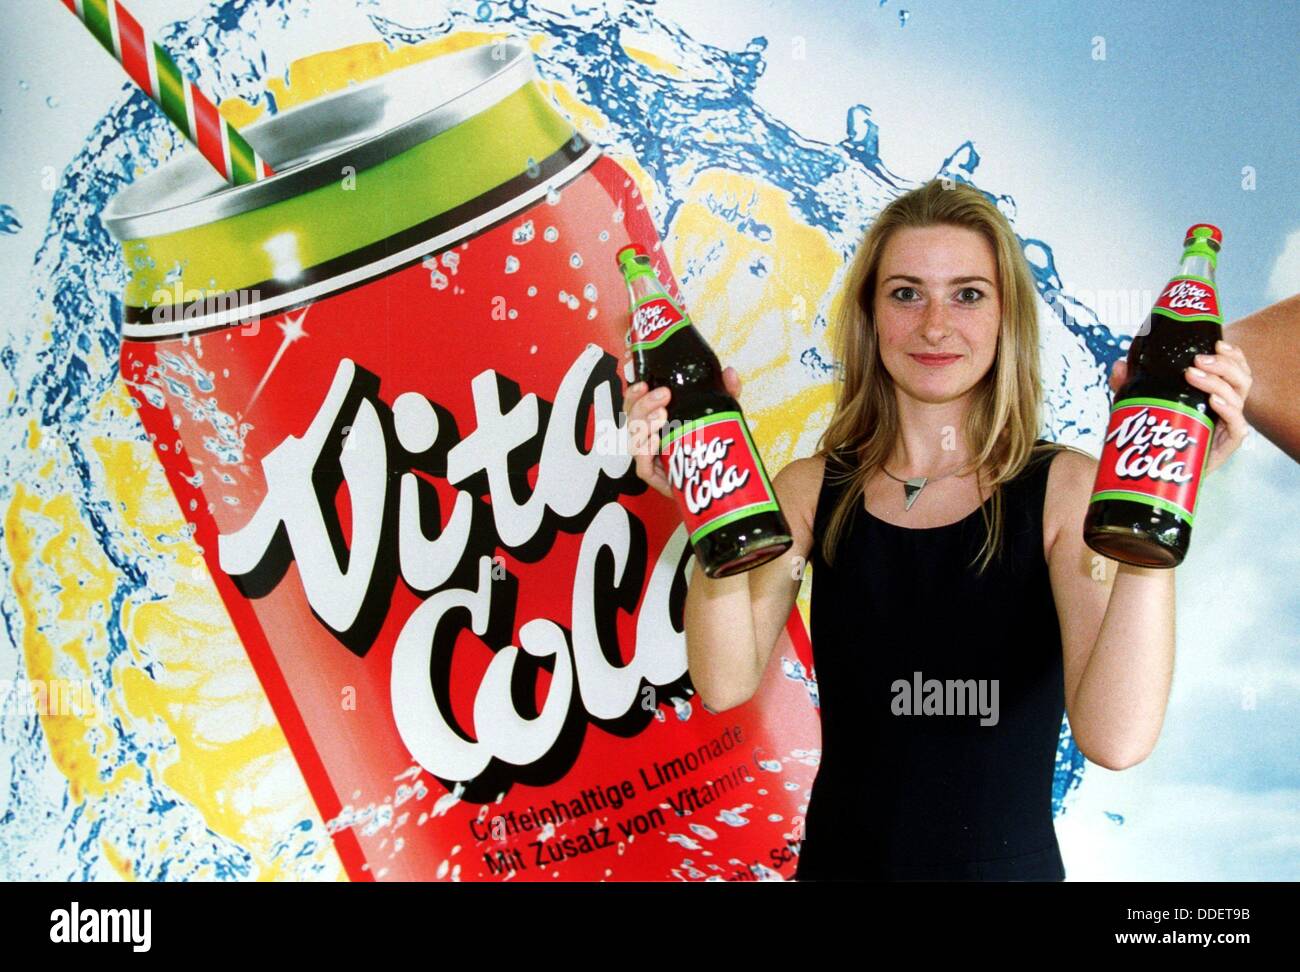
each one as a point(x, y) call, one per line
point(1003, 421)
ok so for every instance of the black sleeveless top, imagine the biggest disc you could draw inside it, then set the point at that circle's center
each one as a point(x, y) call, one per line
point(939, 796)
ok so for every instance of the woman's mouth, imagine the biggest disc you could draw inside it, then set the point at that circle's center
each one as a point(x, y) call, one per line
point(935, 360)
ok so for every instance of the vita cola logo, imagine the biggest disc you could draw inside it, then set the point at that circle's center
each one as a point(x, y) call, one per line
point(453, 572)
point(698, 467)
point(653, 318)
point(1187, 297)
point(1151, 448)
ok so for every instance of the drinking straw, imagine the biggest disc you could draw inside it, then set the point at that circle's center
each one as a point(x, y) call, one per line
point(156, 73)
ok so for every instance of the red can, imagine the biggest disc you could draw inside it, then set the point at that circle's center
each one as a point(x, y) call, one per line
point(383, 386)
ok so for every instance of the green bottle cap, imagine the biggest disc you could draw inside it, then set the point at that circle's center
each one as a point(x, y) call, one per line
point(1203, 239)
point(629, 264)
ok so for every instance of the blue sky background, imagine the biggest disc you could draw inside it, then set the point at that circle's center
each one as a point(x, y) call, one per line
point(1109, 161)
point(1113, 159)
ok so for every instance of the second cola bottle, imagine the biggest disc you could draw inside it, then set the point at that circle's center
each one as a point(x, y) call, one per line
point(717, 475)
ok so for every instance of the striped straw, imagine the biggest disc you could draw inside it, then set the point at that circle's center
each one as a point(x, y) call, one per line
point(152, 69)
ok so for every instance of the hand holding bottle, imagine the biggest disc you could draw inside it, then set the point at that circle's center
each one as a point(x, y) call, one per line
point(1226, 376)
point(707, 461)
point(646, 412)
point(1177, 413)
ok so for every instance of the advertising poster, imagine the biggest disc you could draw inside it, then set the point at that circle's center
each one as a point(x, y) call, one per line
point(324, 555)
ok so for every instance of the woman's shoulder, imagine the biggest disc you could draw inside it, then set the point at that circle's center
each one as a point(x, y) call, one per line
point(798, 486)
point(1070, 476)
point(1064, 463)
point(803, 477)
point(1057, 468)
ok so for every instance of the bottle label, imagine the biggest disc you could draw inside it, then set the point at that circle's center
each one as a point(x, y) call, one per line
point(1190, 298)
point(653, 320)
point(1155, 452)
point(716, 473)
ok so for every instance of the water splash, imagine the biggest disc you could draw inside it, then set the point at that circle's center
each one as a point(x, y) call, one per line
point(9, 222)
point(65, 367)
point(1068, 772)
point(793, 669)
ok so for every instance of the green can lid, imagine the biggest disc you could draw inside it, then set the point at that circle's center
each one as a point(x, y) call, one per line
point(1204, 231)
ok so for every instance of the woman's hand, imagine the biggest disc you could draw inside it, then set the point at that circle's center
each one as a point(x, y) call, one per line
point(646, 413)
point(1226, 376)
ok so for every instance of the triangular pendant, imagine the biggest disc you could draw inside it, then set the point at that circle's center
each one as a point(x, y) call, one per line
point(912, 489)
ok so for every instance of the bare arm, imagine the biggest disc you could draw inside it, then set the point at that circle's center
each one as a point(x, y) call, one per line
point(733, 623)
point(1117, 621)
point(1117, 629)
point(1271, 340)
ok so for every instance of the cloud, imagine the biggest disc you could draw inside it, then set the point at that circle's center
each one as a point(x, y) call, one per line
point(1178, 832)
point(1285, 278)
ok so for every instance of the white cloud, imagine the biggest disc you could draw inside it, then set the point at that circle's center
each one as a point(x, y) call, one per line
point(1285, 278)
point(1177, 832)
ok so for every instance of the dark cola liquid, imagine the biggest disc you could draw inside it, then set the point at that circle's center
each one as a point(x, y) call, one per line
point(688, 367)
point(1132, 532)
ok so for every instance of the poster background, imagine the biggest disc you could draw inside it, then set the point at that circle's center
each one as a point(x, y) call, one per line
point(1187, 118)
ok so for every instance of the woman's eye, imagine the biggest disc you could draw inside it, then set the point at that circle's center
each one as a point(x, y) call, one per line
point(967, 295)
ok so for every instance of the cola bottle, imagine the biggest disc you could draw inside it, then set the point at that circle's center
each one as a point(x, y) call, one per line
point(1158, 438)
point(726, 499)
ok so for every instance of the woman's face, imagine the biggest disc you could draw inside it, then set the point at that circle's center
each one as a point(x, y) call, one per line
point(937, 310)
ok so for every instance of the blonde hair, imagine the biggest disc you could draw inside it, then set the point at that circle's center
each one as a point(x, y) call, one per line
point(1003, 421)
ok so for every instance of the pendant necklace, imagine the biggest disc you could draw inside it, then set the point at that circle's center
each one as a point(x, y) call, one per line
point(912, 487)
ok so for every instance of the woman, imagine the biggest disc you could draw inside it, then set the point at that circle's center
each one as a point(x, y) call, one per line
point(977, 582)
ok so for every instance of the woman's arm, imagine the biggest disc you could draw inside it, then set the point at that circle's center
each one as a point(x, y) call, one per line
point(1117, 621)
point(733, 623)
point(1117, 628)
point(1271, 340)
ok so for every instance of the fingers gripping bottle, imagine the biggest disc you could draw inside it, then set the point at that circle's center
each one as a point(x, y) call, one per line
point(1160, 429)
point(707, 453)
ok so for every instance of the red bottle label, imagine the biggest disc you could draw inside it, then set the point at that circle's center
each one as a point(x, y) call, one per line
point(1192, 298)
point(716, 473)
point(654, 320)
point(1154, 453)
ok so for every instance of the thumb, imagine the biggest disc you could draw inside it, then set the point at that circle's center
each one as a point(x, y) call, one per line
point(1118, 375)
point(731, 378)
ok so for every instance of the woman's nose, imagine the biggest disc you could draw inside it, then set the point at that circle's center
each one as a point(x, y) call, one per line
point(934, 323)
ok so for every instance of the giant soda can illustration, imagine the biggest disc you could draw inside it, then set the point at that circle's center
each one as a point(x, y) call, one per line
point(383, 388)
